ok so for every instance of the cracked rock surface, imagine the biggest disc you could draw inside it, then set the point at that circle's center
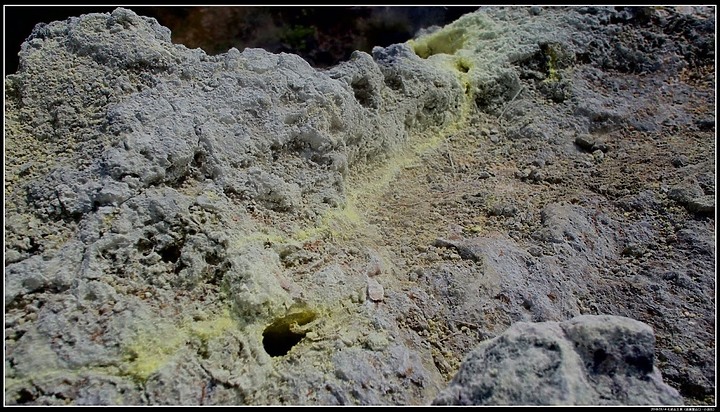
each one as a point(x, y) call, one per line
point(587, 360)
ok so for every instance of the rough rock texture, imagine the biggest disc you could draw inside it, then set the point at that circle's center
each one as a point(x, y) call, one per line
point(245, 229)
point(321, 35)
point(588, 360)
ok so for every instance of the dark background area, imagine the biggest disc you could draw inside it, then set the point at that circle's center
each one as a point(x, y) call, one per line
point(323, 36)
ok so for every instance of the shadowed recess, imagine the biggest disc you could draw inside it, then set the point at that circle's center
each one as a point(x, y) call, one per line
point(284, 333)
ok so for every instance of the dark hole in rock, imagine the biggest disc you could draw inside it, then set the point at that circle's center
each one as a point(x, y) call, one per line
point(693, 390)
point(394, 82)
point(34, 247)
point(144, 245)
point(171, 253)
point(599, 357)
point(199, 158)
point(280, 336)
point(462, 66)
point(644, 362)
point(25, 397)
point(279, 343)
point(363, 92)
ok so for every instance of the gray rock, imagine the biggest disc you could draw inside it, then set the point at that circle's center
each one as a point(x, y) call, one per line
point(703, 204)
point(644, 201)
point(685, 193)
point(589, 144)
point(588, 360)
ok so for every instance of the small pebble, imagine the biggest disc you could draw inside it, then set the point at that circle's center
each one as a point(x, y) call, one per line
point(375, 290)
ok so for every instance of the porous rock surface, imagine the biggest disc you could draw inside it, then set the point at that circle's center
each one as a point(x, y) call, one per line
point(244, 229)
point(588, 360)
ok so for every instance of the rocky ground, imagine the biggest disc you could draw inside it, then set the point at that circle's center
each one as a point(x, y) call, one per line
point(350, 235)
